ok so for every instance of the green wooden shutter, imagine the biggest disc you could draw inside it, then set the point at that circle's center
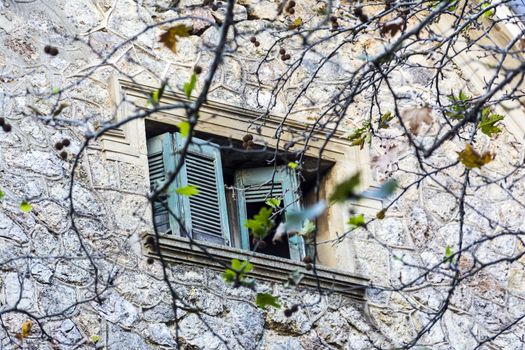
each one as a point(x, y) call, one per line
point(259, 184)
point(161, 161)
point(205, 213)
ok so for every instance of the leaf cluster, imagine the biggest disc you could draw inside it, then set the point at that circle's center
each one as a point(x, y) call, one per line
point(274, 203)
point(384, 120)
point(261, 224)
point(237, 274)
point(459, 104)
point(361, 136)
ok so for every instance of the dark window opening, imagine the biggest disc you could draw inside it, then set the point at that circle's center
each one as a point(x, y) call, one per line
point(280, 248)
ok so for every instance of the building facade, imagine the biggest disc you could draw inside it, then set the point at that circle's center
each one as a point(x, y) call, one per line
point(81, 258)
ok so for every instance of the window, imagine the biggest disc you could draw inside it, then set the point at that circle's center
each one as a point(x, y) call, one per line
point(232, 188)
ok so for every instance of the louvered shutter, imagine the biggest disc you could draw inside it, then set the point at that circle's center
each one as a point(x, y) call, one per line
point(161, 161)
point(260, 184)
point(206, 212)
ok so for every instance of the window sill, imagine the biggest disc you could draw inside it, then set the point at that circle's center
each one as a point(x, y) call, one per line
point(265, 267)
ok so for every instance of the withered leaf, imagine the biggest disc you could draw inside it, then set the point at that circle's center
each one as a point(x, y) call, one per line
point(392, 27)
point(60, 108)
point(472, 159)
point(415, 116)
point(386, 162)
point(296, 23)
point(169, 37)
point(26, 328)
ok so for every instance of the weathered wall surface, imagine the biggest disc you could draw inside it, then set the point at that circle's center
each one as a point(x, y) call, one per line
point(109, 195)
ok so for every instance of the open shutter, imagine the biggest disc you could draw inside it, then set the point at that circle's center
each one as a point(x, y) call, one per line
point(161, 161)
point(259, 184)
point(206, 212)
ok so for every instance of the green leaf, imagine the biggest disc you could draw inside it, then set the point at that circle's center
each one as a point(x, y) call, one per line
point(346, 189)
point(293, 165)
point(448, 251)
point(357, 220)
point(2, 195)
point(190, 86)
point(261, 224)
point(155, 97)
point(384, 121)
point(273, 202)
point(25, 206)
point(241, 267)
point(459, 105)
point(229, 276)
point(263, 300)
point(184, 128)
point(448, 255)
point(361, 136)
point(298, 22)
point(488, 13)
point(488, 122)
point(95, 338)
point(190, 190)
point(56, 90)
point(237, 273)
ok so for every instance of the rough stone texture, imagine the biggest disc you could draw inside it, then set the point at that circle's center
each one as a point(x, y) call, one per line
point(135, 311)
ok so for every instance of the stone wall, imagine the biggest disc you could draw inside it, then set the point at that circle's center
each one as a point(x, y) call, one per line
point(44, 266)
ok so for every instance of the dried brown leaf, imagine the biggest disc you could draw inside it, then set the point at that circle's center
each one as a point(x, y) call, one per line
point(416, 116)
point(392, 27)
point(169, 37)
point(472, 159)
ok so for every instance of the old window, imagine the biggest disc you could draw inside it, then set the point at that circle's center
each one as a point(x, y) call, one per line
point(233, 186)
